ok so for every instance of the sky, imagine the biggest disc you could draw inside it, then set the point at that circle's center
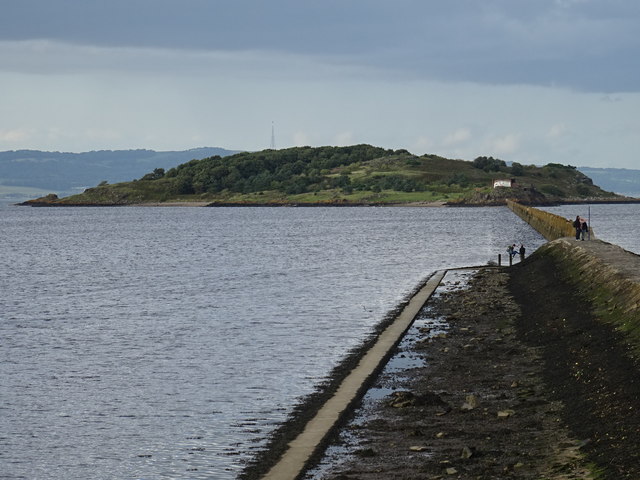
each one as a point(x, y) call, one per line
point(532, 81)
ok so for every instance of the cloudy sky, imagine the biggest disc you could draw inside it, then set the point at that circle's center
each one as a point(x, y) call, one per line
point(533, 81)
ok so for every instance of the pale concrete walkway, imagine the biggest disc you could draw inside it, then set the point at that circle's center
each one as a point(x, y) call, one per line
point(294, 460)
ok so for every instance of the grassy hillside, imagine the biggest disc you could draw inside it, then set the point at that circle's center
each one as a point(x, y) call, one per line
point(359, 174)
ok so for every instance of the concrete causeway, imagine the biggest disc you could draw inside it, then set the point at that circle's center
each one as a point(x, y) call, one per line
point(624, 262)
point(292, 464)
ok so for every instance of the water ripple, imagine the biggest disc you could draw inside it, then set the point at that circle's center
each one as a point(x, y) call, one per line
point(144, 343)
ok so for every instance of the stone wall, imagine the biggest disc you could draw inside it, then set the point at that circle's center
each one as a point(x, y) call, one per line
point(549, 225)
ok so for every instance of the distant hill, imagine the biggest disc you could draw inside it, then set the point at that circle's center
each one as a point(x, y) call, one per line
point(24, 171)
point(352, 175)
point(620, 180)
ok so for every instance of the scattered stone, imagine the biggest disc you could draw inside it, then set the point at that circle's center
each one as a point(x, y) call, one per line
point(366, 453)
point(466, 452)
point(470, 403)
point(402, 399)
point(506, 413)
point(418, 448)
point(444, 412)
point(451, 471)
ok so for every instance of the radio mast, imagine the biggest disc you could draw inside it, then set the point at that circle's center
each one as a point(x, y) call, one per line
point(273, 137)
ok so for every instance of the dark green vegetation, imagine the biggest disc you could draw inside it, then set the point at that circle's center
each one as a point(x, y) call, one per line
point(359, 174)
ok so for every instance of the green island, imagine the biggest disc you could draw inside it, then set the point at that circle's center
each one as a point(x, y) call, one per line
point(344, 176)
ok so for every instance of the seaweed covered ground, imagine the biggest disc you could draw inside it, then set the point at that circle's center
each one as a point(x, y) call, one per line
point(524, 384)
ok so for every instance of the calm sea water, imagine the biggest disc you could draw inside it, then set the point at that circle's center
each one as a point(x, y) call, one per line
point(619, 224)
point(166, 343)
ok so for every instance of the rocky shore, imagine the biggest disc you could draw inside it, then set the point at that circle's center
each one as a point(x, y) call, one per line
point(525, 384)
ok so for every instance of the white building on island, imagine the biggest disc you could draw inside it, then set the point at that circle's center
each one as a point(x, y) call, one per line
point(503, 183)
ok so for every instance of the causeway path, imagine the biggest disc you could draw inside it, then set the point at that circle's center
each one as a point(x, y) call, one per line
point(301, 450)
point(625, 262)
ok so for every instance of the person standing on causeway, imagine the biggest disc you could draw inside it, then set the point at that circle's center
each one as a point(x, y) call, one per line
point(577, 225)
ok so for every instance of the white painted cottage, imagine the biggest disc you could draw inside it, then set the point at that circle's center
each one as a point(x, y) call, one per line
point(503, 183)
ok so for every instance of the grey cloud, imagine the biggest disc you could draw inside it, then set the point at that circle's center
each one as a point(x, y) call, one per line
point(581, 44)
